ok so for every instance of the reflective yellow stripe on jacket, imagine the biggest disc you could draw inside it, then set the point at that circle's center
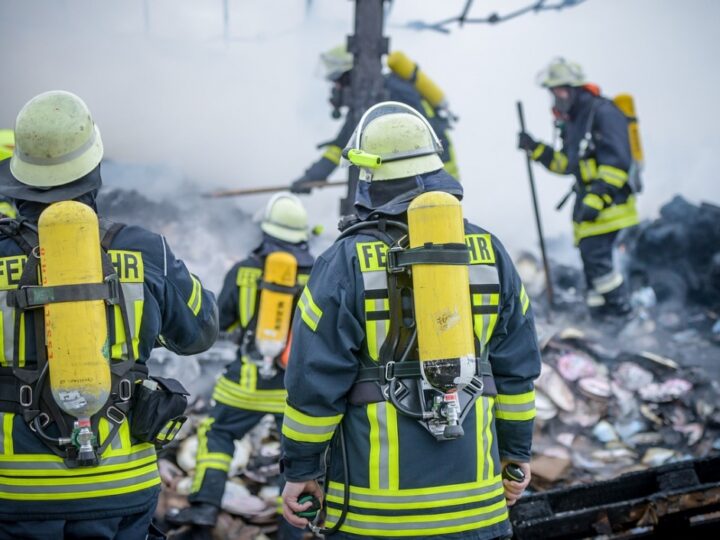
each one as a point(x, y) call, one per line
point(124, 468)
point(246, 395)
point(612, 218)
point(518, 407)
point(301, 427)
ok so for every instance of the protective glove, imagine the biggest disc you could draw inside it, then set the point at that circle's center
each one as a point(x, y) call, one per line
point(300, 186)
point(526, 142)
point(589, 208)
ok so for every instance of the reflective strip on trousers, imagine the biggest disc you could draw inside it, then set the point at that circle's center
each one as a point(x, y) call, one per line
point(608, 282)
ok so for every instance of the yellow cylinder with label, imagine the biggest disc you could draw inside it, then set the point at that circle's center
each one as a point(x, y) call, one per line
point(405, 68)
point(276, 304)
point(76, 332)
point(626, 104)
point(441, 294)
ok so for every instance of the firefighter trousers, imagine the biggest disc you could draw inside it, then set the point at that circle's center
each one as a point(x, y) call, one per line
point(607, 291)
point(217, 436)
point(132, 527)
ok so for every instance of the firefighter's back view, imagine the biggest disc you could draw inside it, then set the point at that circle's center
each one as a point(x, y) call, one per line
point(83, 302)
point(256, 305)
point(414, 353)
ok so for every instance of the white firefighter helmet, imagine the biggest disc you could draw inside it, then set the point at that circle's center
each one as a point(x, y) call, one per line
point(56, 141)
point(392, 141)
point(335, 62)
point(285, 218)
point(560, 72)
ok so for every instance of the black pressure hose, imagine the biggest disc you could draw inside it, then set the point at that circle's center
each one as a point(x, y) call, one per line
point(59, 442)
point(346, 488)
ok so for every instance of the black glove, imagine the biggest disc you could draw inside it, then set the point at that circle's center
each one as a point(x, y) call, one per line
point(526, 142)
point(300, 186)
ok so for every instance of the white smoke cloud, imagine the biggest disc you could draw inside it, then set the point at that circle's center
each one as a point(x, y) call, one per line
point(237, 105)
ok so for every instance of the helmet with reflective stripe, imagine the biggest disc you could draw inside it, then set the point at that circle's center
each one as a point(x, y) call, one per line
point(56, 141)
point(285, 218)
point(7, 143)
point(560, 72)
point(393, 141)
point(336, 61)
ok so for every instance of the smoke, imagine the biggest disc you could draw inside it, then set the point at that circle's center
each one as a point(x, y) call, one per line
point(238, 105)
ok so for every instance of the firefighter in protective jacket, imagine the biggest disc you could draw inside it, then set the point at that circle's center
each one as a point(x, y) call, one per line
point(251, 387)
point(350, 388)
point(596, 150)
point(151, 299)
point(338, 63)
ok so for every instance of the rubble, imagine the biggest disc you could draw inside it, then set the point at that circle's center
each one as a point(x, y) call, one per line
point(632, 411)
point(612, 398)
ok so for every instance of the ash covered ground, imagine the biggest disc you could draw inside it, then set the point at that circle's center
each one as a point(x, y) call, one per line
point(613, 397)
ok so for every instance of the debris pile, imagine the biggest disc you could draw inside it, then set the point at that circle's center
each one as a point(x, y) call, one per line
point(251, 495)
point(602, 413)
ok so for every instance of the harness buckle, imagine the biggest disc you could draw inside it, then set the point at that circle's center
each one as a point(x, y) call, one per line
point(476, 385)
point(26, 395)
point(113, 282)
point(115, 415)
point(125, 389)
point(44, 419)
point(390, 371)
point(391, 258)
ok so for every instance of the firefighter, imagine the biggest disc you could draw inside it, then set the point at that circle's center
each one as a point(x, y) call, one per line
point(402, 462)
point(596, 151)
point(338, 63)
point(106, 483)
point(251, 387)
point(7, 143)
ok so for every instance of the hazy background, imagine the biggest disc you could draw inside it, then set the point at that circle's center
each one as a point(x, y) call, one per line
point(168, 87)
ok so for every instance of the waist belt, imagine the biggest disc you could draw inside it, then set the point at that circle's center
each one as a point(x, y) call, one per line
point(370, 380)
point(16, 395)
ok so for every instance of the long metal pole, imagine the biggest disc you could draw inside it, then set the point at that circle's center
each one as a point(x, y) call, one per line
point(366, 81)
point(538, 221)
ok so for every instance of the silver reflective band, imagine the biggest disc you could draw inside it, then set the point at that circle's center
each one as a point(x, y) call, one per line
point(59, 160)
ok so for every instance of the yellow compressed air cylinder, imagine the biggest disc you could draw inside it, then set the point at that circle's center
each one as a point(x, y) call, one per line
point(443, 315)
point(405, 68)
point(275, 310)
point(626, 104)
point(75, 332)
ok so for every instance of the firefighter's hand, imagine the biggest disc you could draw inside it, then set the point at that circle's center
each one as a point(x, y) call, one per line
point(290, 495)
point(526, 142)
point(513, 490)
point(300, 186)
